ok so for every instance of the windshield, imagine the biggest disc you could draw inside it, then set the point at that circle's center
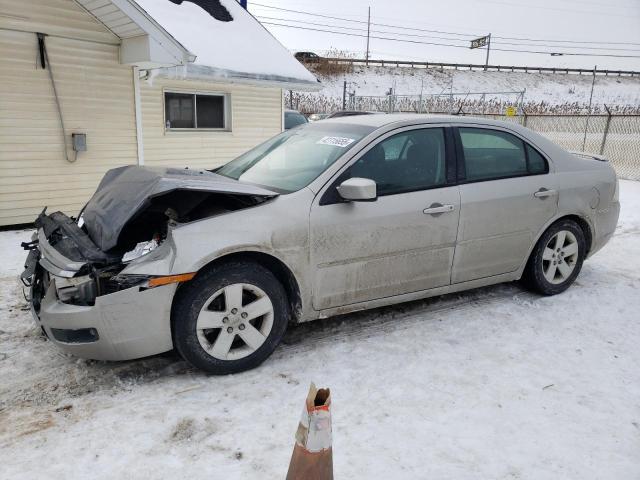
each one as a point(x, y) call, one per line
point(292, 160)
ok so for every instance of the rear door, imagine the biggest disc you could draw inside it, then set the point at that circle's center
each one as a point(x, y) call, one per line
point(507, 195)
point(404, 241)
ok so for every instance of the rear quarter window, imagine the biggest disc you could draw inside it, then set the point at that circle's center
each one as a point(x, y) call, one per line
point(537, 163)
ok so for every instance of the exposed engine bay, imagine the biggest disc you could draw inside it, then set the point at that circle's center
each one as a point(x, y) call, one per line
point(128, 217)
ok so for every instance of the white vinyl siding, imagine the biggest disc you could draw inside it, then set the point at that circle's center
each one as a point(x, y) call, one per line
point(96, 95)
point(255, 115)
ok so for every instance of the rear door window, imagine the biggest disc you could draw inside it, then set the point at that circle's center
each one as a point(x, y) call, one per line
point(492, 154)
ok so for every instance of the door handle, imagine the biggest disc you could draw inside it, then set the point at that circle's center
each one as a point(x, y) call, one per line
point(544, 193)
point(438, 208)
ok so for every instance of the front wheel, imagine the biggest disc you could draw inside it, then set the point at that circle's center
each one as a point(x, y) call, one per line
point(230, 318)
point(556, 259)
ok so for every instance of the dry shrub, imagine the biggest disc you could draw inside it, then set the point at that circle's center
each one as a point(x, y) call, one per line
point(333, 68)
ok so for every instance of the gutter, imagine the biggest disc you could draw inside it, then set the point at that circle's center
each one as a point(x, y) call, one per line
point(211, 74)
point(138, 114)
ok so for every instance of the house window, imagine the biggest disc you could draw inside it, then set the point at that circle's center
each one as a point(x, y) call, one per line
point(195, 110)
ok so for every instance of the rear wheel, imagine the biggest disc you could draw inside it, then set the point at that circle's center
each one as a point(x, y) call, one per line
point(230, 318)
point(556, 259)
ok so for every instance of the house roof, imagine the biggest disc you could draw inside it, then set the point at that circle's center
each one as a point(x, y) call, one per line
point(181, 33)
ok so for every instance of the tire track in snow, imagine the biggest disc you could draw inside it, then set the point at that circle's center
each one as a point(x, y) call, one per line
point(394, 318)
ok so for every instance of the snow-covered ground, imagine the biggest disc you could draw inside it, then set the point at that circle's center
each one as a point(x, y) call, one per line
point(568, 91)
point(494, 383)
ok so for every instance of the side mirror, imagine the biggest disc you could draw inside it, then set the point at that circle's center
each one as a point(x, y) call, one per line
point(358, 190)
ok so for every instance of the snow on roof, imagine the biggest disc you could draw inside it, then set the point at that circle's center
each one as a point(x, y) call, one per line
point(240, 49)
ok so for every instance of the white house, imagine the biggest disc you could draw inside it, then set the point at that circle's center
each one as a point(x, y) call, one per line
point(116, 82)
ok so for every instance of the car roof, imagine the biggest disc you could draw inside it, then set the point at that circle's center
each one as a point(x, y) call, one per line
point(377, 121)
point(392, 120)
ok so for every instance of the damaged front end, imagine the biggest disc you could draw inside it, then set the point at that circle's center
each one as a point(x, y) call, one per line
point(80, 291)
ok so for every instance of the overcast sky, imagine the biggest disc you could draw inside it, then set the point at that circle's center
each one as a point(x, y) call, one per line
point(544, 22)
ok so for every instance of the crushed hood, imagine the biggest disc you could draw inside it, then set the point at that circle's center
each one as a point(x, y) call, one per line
point(124, 192)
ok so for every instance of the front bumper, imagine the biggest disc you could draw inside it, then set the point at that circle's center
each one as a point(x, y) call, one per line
point(123, 325)
point(128, 323)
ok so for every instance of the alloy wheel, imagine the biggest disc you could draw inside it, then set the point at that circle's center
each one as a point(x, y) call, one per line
point(560, 257)
point(235, 321)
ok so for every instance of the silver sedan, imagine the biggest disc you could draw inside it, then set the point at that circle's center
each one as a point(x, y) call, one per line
point(328, 218)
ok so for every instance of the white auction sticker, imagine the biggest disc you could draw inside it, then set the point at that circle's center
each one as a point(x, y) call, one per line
point(341, 142)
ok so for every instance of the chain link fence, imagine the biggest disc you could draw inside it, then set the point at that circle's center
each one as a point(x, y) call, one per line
point(452, 102)
point(616, 137)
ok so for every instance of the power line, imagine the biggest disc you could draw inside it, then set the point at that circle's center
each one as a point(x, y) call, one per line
point(363, 21)
point(566, 46)
point(566, 41)
point(450, 45)
point(400, 27)
point(360, 35)
point(559, 9)
point(306, 22)
point(385, 32)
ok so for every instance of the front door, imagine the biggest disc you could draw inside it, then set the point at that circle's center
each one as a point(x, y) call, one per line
point(404, 241)
point(507, 196)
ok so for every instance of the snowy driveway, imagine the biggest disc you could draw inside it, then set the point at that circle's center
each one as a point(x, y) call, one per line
point(493, 383)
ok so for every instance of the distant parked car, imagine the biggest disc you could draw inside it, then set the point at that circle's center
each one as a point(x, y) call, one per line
point(351, 113)
point(314, 117)
point(309, 57)
point(324, 219)
point(293, 118)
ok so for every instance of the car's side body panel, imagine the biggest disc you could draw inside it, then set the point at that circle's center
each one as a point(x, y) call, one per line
point(279, 228)
point(363, 251)
point(498, 221)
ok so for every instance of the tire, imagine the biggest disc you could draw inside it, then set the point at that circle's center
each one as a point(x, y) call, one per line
point(541, 273)
point(212, 314)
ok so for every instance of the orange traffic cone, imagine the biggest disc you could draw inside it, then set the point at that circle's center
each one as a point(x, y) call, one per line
point(312, 458)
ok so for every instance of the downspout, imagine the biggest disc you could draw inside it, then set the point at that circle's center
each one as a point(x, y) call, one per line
point(138, 113)
point(44, 63)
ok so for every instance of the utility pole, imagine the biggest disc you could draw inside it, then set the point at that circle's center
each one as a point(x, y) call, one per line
point(486, 63)
point(586, 127)
point(344, 95)
point(368, 31)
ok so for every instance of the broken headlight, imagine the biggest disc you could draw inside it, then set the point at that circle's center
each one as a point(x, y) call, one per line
point(140, 249)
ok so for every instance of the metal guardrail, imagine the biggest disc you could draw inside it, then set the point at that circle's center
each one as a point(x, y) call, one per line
point(472, 66)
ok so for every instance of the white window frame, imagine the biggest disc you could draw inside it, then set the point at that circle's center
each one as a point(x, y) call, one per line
point(226, 114)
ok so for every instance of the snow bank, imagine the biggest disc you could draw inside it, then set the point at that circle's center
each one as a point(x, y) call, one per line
point(554, 89)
